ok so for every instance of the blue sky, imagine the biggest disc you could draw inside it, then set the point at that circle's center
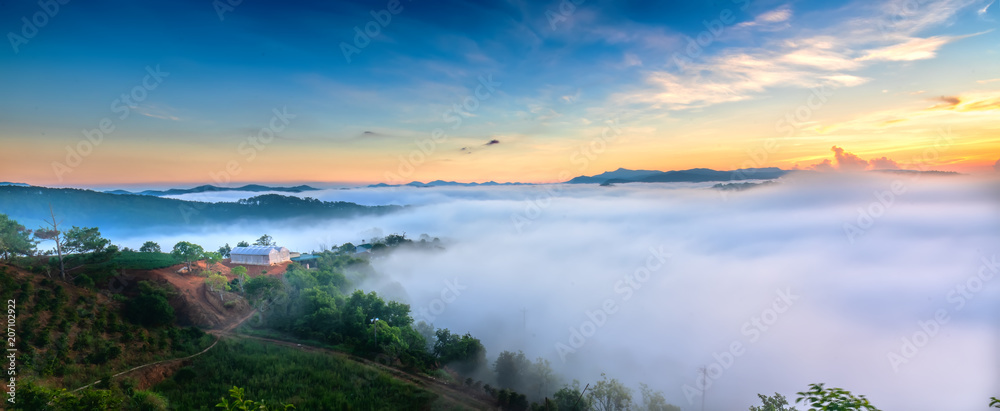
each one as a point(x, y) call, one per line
point(560, 80)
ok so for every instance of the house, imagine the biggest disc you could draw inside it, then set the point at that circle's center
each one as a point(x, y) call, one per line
point(306, 260)
point(259, 255)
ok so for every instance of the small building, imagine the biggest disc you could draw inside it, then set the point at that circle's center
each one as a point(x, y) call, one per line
point(306, 260)
point(259, 255)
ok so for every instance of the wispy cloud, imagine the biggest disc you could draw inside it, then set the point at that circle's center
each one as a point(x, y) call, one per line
point(831, 56)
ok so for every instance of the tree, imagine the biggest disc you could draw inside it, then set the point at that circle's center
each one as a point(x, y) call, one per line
point(264, 240)
point(211, 257)
point(241, 274)
point(217, 282)
point(53, 234)
point(654, 400)
point(541, 377)
point(150, 307)
point(225, 250)
point(610, 395)
point(347, 248)
point(14, 239)
point(819, 398)
point(150, 247)
point(570, 398)
point(242, 244)
point(775, 403)
point(511, 369)
point(187, 252)
point(85, 240)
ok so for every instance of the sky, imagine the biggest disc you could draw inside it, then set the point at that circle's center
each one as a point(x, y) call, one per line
point(842, 272)
point(115, 93)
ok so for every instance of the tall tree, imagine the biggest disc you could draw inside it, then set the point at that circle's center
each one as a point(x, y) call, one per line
point(14, 239)
point(218, 283)
point(150, 247)
point(264, 240)
point(654, 400)
point(241, 276)
point(85, 240)
point(511, 369)
point(610, 395)
point(225, 250)
point(187, 252)
point(54, 235)
point(242, 244)
point(775, 403)
point(820, 398)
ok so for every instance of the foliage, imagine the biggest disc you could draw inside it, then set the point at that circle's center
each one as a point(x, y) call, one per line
point(466, 353)
point(218, 283)
point(84, 240)
point(819, 398)
point(241, 404)
point(775, 403)
point(187, 252)
point(242, 244)
point(264, 240)
point(225, 250)
point(150, 247)
point(307, 380)
point(995, 402)
point(512, 370)
point(15, 239)
point(571, 398)
point(150, 308)
point(654, 400)
point(610, 395)
point(211, 257)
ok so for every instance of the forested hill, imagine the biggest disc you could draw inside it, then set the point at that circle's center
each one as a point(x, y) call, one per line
point(30, 206)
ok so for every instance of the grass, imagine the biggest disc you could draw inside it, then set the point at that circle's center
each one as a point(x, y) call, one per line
point(132, 260)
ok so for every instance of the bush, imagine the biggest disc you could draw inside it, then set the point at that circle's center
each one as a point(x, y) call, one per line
point(229, 304)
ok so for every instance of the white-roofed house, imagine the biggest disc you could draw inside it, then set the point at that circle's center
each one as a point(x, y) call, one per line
point(259, 255)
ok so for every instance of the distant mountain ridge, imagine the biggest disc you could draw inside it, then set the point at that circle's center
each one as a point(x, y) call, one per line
point(210, 188)
point(694, 175)
point(442, 183)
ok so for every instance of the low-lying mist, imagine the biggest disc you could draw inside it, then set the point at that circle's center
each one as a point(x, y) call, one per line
point(881, 284)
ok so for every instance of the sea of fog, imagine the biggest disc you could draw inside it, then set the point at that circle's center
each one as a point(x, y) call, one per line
point(884, 285)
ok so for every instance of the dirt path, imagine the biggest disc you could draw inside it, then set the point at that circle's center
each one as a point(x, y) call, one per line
point(174, 361)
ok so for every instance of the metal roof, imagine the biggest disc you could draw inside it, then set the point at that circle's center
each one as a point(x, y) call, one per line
point(254, 250)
